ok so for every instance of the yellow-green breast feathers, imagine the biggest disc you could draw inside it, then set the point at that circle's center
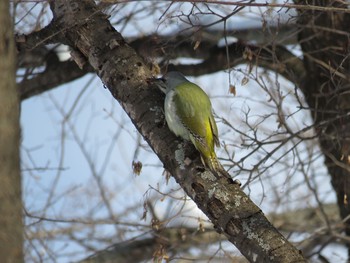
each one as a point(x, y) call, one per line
point(189, 114)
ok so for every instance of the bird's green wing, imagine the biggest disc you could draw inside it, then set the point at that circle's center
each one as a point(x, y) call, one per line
point(214, 129)
point(194, 109)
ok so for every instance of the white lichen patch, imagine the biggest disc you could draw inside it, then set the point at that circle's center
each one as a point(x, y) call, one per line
point(206, 175)
point(180, 157)
point(254, 256)
point(187, 161)
point(211, 192)
point(113, 43)
point(253, 236)
point(224, 197)
point(237, 200)
point(158, 111)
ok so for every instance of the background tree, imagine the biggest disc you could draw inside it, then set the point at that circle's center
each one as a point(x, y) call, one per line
point(11, 227)
point(297, 69)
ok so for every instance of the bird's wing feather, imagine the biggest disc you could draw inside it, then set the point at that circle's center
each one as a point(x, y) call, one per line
point(214, 129)
point(189, 100)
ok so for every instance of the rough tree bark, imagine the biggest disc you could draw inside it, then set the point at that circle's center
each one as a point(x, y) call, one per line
point(125, 74)
point(324, 38)
point(11, 230)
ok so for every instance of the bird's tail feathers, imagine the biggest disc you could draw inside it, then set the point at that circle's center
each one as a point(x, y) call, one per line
point(213, 163)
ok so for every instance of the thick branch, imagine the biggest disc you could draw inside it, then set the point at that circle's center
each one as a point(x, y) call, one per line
point(170, 241)
point(173, 241)
point(278, 59)
point(57, 74)
point(125, 74)
point(324, 38)
point(32, 53)
point(275, 58)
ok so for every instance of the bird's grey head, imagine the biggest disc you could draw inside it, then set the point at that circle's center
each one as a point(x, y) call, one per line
point(173, 79)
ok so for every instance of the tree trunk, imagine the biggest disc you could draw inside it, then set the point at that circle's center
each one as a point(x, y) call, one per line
point(324, 39)
point(11, 229)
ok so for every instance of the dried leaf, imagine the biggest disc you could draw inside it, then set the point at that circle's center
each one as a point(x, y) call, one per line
point(145, 210)
point(196, 45)
point(136, 167)
point(248, 54)
point(156, 224)
point(167, 176)
point(201, 226)
point(345, 199)
point(264, 24)
point(244, 81)
point(232, 89)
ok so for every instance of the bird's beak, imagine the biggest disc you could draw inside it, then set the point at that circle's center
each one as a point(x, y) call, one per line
point(159, 82)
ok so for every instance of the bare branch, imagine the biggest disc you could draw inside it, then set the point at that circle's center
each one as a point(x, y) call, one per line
point(57, 74)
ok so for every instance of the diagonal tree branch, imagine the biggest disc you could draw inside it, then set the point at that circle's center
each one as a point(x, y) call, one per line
point(125, 75)
point(178, 240)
